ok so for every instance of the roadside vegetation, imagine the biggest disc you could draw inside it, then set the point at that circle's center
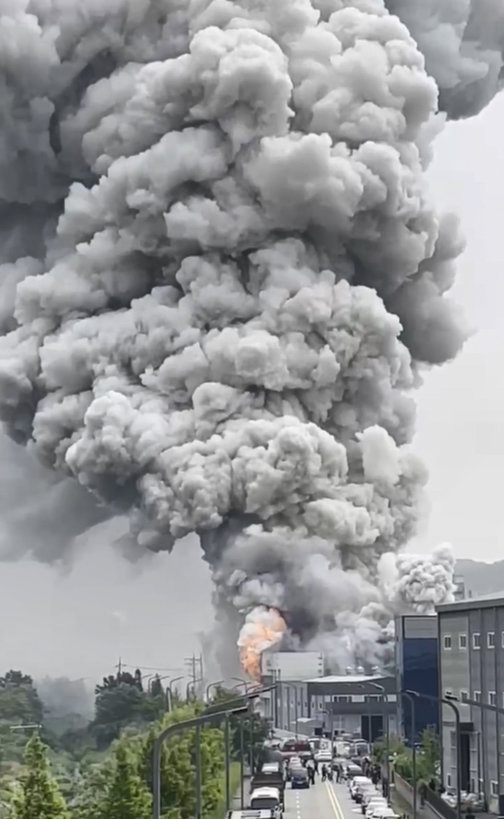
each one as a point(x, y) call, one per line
point(102, 768)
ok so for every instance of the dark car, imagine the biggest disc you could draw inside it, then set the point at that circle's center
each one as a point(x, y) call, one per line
point(299, 777)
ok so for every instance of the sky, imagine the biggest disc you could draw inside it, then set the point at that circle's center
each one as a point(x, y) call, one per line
point(79, 619)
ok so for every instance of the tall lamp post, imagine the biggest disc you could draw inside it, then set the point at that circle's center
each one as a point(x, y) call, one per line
point(410, 696)
point(448, 701)
point(169, 691)
point(243, 682)
point(381, 688)
point(211, 685)
point(178, 728)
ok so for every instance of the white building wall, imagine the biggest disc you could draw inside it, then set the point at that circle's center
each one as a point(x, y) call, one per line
point(292, 665)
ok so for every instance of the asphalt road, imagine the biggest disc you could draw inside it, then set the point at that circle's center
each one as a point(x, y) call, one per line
point(324, 800)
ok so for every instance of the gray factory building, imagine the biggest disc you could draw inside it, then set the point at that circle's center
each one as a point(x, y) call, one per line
point(351, 704)
point(471, 666)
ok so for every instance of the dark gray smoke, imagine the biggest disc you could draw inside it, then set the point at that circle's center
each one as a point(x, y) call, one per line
point(221, 275)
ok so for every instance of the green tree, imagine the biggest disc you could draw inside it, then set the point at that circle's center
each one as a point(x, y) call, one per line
point(38, 796)
point(255, 727)
point(87, 802)
point(19, 700)
point(126, 796)
point(429, 756)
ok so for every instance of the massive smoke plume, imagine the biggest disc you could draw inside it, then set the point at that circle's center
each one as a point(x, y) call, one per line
point(221, 275)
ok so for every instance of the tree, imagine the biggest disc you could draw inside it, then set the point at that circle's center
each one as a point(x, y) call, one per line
point(156, 688)
point(38, 796)
point(255, 727)
point(127, 796)
point(19, 700)
point(88, 801)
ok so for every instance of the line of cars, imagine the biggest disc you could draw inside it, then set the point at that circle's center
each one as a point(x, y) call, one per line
point(373, 804)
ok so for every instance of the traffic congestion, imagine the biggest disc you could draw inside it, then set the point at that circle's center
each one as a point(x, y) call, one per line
point(303, 763)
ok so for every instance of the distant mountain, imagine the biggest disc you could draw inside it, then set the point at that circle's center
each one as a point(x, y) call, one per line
point(481, 578)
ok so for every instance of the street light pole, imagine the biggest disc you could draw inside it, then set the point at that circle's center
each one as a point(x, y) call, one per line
point(411, 698)
point(243, 682)
point(448, 701)
point(381, 688)
point(169, 691)
point(192, 685)
point(172, 731)
point(212, 685)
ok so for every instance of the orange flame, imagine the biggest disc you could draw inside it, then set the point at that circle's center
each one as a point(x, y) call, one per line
point(263, 628)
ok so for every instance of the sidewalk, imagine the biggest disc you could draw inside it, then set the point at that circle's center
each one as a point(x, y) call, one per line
point(235, 800)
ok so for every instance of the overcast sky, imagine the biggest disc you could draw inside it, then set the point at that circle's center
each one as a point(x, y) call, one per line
point(150, 613)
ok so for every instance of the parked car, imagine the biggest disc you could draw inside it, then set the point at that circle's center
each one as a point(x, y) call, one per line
point(364, 790)
point(367, 806)
point(383, 812)
point(356, 782)
point(352, 771)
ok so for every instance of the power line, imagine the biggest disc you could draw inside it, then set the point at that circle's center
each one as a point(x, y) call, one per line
point(151, 668)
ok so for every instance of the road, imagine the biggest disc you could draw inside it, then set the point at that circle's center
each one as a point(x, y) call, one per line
point(324, 800)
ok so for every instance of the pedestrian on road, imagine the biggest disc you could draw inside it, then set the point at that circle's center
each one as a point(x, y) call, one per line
point(324, 773)
point(330, 774)
point(311, 774)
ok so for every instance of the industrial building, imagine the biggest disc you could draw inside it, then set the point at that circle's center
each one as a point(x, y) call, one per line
point(350, 704)
point(416, 663)
point(471, 663)
point(354, 704)
point(290, 670)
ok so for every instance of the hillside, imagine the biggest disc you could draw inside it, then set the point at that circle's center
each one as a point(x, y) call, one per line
point(481, 578)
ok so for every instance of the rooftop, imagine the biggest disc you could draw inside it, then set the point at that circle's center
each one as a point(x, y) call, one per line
point(346, 678)
point(485, 601)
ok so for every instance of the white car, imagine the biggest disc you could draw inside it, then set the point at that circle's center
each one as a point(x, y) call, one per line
point(383, 812)
point(323, 757)
point(373, 804)
point(356, 782)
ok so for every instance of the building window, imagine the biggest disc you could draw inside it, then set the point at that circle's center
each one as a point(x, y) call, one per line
point(447, 642)
point(477, 696)
point(464, 696)
point(373, 698)
point(495, 788)
point(342, 698)
point(462, 642)
point(492, 698)
point(491, 639)
point(448, 780)
point(476, 640)
point(502, 639)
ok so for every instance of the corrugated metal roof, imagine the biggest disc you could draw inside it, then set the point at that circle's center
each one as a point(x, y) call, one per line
point(485, 601)
point(346, 678)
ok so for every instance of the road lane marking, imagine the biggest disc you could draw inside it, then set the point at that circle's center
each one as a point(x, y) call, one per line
point(333, 799)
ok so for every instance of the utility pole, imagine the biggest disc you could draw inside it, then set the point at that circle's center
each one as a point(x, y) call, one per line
point(119, 667)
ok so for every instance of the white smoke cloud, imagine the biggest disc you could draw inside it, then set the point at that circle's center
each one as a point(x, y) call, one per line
point(221, 275)
point(419, 583)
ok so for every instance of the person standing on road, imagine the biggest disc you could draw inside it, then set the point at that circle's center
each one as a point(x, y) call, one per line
point(324, 773)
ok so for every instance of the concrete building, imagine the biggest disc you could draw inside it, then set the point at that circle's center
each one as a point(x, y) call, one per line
point(291, 669)
point(460, 589)
point(471, 662)
point(416, 662)
point(351, 704)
